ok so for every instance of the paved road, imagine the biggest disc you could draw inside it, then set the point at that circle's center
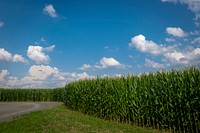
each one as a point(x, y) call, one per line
point(9, 110)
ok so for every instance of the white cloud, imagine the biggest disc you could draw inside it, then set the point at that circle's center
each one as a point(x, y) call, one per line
point(36, 53)
point(153, 64)
point(111, 49)
point(170, 40)
point(85, 67)
point(175, 31)
point(67, 77)
point(194, 32)
point(193, 56)
point(196, 40)
point(50, 48)
point(193, 5)
point(41, 71)
point(78, 76)
point(5, 55)
point(188, 57)
point(41, 76)
point(19, 58)
point(151, 47)
point(109, 63)
point(105, 63)
point(3, 74)
point(49, 9)
point(111, 76)
point(174, 56)
point(144, 45)
point(171, 55)
point(13, 82)
point(1, 24)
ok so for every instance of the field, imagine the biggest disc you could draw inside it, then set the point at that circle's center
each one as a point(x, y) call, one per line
point(163, 100)
point(7, 95)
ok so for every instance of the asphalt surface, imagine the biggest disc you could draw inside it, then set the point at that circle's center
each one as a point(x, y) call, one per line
point(11, 110)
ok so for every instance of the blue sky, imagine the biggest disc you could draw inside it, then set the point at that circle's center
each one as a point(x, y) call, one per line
point(50, 43)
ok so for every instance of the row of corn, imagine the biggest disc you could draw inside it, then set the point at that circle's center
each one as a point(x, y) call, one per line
point(31, 94)
point(163, 100)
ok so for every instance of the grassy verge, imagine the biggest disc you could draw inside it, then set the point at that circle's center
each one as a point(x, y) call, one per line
point(61, 119)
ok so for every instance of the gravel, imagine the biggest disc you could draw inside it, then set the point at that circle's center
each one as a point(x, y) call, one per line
point(10, 110)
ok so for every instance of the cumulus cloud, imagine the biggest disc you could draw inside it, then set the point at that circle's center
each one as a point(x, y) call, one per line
point(196, 40)
point(175, 31)
point(194, 32)
point(146, 46)
point(184, 57)
point(41, 76)
point(41, 71)
point(170, 40)
point(7, 56)
point(111, 76)
point(191, 57)
point(171, 54)
point(76, 76)
point(49, 9)
point(176, 57)
point(109, 63)
point(13, 82)
point(1, 24)
point(153, 64)
point(3, 74)
point(111, 49)
point(18, 58)
point(50, 48)
point(105, 63)
point(85, 67)
point(193, 5)
point(36, 53)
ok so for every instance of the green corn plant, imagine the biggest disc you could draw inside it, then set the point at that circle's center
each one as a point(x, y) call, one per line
point(163, 100)
point(31, 94)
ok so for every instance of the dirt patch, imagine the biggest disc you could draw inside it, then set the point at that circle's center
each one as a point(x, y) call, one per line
point(10, 110)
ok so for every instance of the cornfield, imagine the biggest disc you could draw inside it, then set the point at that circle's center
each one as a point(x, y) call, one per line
point(31, 94)
point(163, 100)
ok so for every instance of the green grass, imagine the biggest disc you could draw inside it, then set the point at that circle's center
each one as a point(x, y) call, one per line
point(61, 119)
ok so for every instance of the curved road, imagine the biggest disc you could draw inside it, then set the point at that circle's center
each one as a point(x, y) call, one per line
point(9, 110)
